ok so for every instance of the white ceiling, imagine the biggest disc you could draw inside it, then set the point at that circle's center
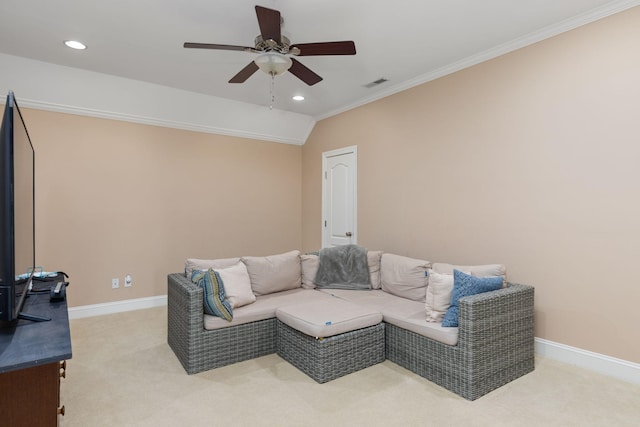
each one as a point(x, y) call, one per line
point(404, 41)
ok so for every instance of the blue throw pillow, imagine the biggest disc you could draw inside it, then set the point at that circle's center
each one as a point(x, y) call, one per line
point(215, 302)
point(465, 285)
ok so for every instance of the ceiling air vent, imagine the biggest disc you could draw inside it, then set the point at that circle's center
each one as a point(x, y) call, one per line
point(376, 82)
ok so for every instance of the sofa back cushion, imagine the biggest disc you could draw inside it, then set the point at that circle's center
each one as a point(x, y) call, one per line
point(404, 277)
point(205, 264)
point(487, 270)
point(438, 295)
point(373, 258)
point(310, 263)
point(274, 273)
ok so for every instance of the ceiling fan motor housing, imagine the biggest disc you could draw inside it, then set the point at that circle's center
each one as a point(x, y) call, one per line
point(271, 45)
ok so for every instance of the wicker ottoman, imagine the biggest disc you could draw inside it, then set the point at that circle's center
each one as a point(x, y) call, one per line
point(329, 339)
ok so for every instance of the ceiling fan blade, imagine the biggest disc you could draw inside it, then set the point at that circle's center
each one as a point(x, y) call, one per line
point(245, 73)
point(326, 48)
point(217, 46)
point(303, 73)
point(269, 21)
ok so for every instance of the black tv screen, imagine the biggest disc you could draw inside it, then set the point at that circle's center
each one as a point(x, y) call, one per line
point(17, 212)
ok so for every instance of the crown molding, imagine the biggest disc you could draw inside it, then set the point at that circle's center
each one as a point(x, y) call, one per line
point(46, 86)
point(112, 115)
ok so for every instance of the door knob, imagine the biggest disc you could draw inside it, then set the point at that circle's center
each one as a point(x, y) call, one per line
point(348, 234)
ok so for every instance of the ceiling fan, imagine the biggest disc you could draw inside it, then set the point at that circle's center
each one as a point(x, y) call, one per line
point(276, 51)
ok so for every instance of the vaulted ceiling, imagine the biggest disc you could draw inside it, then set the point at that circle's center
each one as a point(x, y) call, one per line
point(405, 42)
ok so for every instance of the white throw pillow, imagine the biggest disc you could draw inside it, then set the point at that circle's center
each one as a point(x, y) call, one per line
point(237, 285)
point(438, 295)
point(404, 277)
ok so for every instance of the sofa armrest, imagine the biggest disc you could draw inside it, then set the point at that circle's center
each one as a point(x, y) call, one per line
point(497, 319)
point(185, 311)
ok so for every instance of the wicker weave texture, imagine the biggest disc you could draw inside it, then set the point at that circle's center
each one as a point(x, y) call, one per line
point(495, 344)
point(333, 357)
point(199, 349)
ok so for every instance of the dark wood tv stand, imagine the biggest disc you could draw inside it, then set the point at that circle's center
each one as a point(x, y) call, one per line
point(32, 361)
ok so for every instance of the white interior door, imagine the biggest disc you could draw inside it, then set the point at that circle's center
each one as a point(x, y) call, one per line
point(339, 197)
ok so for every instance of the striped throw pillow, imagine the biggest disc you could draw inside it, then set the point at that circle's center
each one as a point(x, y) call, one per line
point(215, 302)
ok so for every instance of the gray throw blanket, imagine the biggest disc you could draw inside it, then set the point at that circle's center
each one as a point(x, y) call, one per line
point(343, 267)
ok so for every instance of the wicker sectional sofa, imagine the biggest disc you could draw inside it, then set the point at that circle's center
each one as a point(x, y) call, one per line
point(494, 345)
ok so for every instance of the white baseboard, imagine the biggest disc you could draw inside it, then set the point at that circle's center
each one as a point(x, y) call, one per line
point(606, 365)
point(116, 307)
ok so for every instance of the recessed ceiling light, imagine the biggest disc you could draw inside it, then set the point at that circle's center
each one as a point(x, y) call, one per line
point(73, 44)
point(298, 98)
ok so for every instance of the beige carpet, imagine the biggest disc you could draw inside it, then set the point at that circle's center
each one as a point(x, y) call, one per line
point(123, 373)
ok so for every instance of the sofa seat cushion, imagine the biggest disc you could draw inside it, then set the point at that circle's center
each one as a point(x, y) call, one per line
point(264, 307)
point(415, 322)
point(323, 318)
point(377, 299)
point(401, 312)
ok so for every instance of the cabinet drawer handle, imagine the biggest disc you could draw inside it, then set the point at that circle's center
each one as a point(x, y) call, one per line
point(63, 369)
point(61, 410)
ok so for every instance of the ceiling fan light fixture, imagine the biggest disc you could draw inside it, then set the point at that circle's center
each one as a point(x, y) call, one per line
point(273, 63)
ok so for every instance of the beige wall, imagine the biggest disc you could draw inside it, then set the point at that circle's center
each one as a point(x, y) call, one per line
point(116, 198)
point(531, 160)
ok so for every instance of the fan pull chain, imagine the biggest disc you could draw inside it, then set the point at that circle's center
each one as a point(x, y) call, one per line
point(273, 97)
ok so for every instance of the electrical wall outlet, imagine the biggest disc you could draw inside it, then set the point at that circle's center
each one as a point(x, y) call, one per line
point(128, 281)
point(115, 283)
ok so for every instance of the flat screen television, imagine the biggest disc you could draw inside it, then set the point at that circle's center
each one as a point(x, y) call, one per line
point(17, 212)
